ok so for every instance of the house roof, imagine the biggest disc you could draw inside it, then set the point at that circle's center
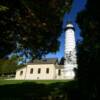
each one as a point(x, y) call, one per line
point(45, 61)
point(59, 66)
point(21, 67)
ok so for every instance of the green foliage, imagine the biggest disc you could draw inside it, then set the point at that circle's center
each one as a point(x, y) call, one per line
point(32, 24)
point(8, 66)
point(89, 50)
point(3, 8)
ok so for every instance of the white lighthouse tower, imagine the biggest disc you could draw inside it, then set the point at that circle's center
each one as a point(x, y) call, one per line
point(70, 62)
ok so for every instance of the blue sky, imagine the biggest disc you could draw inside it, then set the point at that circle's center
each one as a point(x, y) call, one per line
point(77, 6)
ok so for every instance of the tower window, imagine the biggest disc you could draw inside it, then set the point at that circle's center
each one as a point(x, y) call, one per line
point(59, 72)
point(21, 72)
point(31, 70)
point(47, 70)
point(39, 70)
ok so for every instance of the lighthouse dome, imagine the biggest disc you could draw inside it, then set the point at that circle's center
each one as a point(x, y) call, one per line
point(69, 25)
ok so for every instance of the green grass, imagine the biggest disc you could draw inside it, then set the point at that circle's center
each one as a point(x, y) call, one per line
point(38, 89)
point(5, 82)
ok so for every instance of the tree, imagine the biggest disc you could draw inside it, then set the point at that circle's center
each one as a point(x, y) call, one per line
point(89, 50)
point(62, 61)
point(31, 24)
point(8, 67)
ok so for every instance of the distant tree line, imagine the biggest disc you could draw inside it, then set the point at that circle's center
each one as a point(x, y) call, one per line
point(8, 67)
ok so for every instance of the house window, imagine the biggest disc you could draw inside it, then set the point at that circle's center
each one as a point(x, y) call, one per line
point(47, 70)
point(21, 72)
point(59, 72)
point(39, 70)
point(31, 70)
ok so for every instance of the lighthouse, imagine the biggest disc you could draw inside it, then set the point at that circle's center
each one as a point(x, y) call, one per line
point(70, 62)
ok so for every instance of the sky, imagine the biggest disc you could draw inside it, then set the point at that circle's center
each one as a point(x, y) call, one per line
point(77, 6)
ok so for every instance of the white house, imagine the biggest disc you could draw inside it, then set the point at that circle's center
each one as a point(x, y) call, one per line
point(49, 68)
point(41, 69)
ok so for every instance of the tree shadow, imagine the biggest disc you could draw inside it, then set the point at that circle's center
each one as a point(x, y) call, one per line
point(35, 91)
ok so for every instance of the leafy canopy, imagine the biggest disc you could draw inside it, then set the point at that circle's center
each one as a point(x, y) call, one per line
point(31, 24)
point(89, 50)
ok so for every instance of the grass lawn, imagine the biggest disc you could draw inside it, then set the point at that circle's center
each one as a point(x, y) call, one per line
point(38, 89)
point(5, 82)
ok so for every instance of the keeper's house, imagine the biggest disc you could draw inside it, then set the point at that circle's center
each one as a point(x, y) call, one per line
point(42, 70)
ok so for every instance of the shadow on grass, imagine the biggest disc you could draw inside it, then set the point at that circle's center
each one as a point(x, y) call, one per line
point(35, 91)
